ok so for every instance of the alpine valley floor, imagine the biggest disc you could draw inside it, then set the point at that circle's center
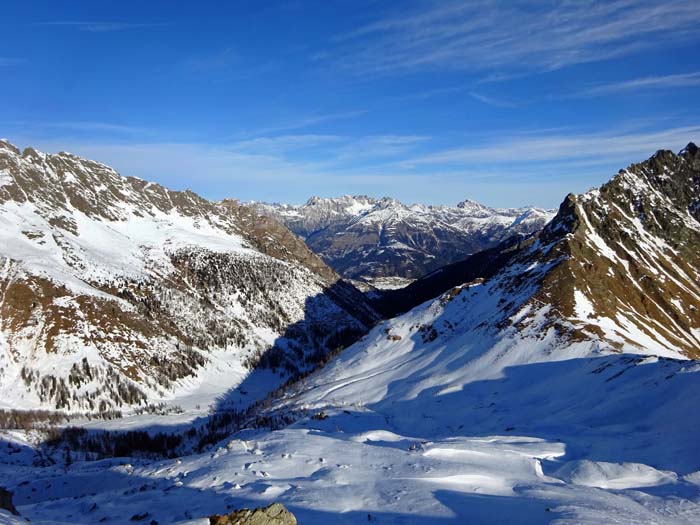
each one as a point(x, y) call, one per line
point(387, 434)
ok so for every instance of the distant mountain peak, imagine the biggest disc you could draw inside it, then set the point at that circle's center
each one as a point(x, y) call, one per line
point(6, 144)
point(691, 153)
point(364, 237)
point(691, 149)
point(316, 200)
point(471, 204)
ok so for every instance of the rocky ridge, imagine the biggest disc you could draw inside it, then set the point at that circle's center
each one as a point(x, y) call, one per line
point(116, 292)
point(618, 266)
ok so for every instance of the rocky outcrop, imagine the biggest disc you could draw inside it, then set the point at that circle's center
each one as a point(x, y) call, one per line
point(6, 501)
point(630, 255)
point(275, 514)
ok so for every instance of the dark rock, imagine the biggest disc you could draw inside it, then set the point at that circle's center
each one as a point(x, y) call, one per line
point(6, 501)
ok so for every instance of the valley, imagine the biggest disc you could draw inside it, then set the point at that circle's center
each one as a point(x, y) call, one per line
point(508, 387)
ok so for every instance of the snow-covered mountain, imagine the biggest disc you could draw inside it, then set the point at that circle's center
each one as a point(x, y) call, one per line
point(618, 267)
point(366, 238)
point(116, 292)
point(563, 379)
point(549, 383)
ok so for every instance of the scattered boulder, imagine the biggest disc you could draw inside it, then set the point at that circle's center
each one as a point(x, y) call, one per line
point(6, 501)
point(320, 416)
point(275, 514)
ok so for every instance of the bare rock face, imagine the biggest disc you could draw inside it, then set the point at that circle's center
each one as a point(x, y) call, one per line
point(275, 514)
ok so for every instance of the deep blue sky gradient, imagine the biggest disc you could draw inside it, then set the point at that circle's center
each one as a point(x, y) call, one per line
point(508, 103)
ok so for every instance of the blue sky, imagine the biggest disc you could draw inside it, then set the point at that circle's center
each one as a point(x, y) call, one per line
point(508, 103)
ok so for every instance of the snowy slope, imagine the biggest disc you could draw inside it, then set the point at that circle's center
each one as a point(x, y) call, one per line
point(116, 292)
point(468, 426)
point(412, 432)
point(355, 467)
point(500, 401)
point(366, 238)
point(618, 265)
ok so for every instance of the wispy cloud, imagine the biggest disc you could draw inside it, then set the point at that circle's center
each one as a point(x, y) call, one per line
point(306, 121)
point(483, 35)
point(640, 84)
point(558, 147)
point(284, 143)
point(491, 101)
point(431, 93)
point(377, 148)
point(339, 151)
point(99, 27)
point(81, 126)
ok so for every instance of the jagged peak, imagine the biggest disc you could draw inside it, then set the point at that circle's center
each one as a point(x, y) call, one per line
point(691, 154)
point(564, 221)
point(387, 204)
point(316, 200)
point(389, 200)
point(665, 180)
point(468, 204)
point(663, 171)
point(72, 156)
point(691, 149)
point(664, 156)
point(7, 145)
point(32, 152)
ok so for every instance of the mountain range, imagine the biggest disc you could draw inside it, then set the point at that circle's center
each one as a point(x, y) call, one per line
point(369, 239)
point(549, 378)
